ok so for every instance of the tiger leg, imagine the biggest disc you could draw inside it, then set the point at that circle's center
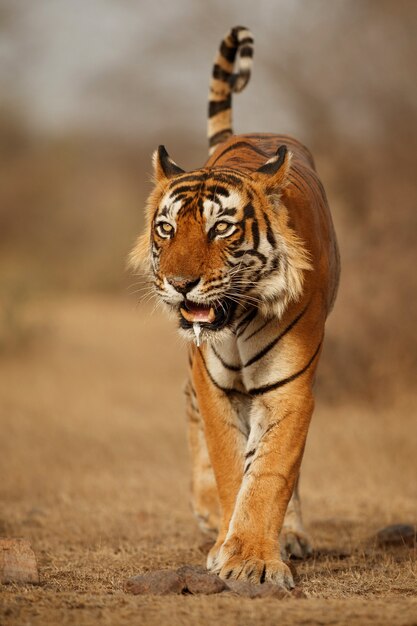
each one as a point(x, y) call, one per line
point(204, 498)
point(294, 540)
point(226, 440)
point(279, 425)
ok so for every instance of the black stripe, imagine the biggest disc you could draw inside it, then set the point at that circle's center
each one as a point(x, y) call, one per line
point(190, 177)
point(280, 383)
point(239, 144)
point(226, 390)
point(182, 196)
point(227, 52)
point(247, 318)
point(274, 425)
point(269, 232)
point(255, 234)
point(304, 174)
point(233, 368)
point(228, 179)
point(246, 40)
point(231, 171)
point(243, 75)
point(258, 330)
point(240, 316)
point(219, 137)
point(274, 342)
point(268, 136)
point(296, 178)
point(292, 182)
point(236, 30)
point(247, 468)
point(218, 190)
point(183, 189)
point(217, 106)
point(210, 281)
point(246, 51)
point(236, 243)
point(242, 326)
point(255, 253)
point(248, 211)
point(164, 211)
point(230, 212)
point(220, 74)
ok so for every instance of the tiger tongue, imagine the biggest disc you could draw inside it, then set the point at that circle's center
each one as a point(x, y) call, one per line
point(194, 312)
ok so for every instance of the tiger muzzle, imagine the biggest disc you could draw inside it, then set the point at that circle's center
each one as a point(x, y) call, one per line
point(214, 316)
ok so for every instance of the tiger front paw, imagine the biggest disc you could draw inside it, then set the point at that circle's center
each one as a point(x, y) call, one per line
point(238, 560)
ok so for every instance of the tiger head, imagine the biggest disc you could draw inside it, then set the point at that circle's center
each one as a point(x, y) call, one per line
point(218, 242)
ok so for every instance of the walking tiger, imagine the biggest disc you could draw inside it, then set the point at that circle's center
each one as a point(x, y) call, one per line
point(244, 252)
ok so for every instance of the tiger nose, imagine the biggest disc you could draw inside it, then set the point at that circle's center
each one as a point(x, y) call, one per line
point(183, 284)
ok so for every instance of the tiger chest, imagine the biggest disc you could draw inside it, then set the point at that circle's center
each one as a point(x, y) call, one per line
point(249, 359)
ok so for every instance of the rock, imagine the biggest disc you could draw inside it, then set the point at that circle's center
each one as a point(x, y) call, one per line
point(159, 583)
point(17, 562)
point(263, 590)
point(186, 579)
point(199, 580)
point(397, 535)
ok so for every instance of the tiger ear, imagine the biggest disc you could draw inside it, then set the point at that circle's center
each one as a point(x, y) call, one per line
point(164, 167)
point(274, 172)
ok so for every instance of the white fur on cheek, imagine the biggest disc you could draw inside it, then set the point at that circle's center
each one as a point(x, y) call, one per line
point(171, 293)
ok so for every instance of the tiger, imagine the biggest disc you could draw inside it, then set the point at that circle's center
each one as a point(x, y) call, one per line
point(244, 253)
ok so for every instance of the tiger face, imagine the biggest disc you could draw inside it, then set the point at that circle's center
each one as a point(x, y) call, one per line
point(218, 241)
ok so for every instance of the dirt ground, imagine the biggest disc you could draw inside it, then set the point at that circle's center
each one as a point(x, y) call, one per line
point(94, 471)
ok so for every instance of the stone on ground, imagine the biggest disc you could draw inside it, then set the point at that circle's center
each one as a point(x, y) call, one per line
point(191, 579)
point(159, 583)
point(199, 580)
point(397, 535)
point(17, 562)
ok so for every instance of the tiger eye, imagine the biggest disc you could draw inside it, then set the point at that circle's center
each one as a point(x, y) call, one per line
point(221, 227)
point(165, 228)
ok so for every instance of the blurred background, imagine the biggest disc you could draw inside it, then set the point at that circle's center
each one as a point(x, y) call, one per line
point(89, 88)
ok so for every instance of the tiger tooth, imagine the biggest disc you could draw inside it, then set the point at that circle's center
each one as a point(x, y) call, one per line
point(205, 317)
point(197, 331)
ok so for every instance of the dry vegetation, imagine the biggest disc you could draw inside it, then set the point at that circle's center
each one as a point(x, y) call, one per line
point(94, 472)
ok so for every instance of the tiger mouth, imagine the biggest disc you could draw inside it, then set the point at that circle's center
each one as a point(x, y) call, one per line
point(208, 316)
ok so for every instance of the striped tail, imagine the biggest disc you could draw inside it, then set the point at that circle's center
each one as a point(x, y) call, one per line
point(237, 43)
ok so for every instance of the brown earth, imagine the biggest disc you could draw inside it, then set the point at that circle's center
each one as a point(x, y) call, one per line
point(95, 473)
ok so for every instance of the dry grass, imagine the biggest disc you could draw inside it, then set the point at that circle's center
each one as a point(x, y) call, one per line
point(94, 473)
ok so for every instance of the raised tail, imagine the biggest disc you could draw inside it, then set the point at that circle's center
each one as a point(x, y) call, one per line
point(231, 73)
